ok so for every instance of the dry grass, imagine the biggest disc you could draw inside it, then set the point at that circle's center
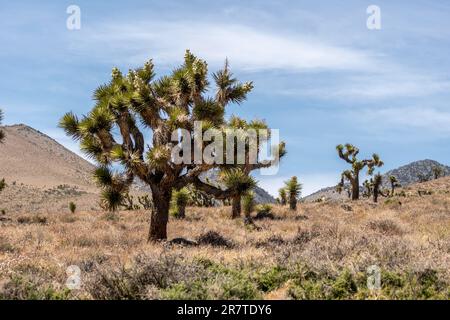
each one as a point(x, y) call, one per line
point(408, 238)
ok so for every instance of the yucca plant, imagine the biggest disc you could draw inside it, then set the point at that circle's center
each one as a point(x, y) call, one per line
point(72, 207)
point(377, 182)
point(394, 184)
point(180, 200)
point(2, 133)
point(248, 203)
point(294, 189)
point(368, 186)
point(236, 179)
point(282, 196)
point(130, 104)
point(349, 154)
point(2, 138)
point(438, 171)
point(2, 184)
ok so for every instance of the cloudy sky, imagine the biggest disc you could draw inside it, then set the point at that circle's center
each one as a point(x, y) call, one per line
point(321, 76)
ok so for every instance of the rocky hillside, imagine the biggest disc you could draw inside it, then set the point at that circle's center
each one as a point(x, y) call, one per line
point(413, 172)
point(416, 171)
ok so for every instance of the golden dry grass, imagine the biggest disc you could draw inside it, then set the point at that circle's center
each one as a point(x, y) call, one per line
point(398, 234)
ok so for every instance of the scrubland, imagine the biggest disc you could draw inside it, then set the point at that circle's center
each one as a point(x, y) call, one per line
point(320, 251)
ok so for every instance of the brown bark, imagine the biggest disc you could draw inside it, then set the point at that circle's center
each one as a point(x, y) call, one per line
point(160, 215)
point(355, 187)
point(236, 207)
point(293, 202)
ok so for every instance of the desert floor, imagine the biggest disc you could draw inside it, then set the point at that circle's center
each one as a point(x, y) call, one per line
point(322, 250)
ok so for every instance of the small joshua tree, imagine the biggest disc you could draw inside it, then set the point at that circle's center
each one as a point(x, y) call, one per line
point(368, 185)
point(180, 200)
point(2, 133)
point(248, 203)
point(2, 185)
point(293, 189)
point(2, 138)
point(173, 104)
point(72, 207)
point(394, 184)
point(349, 154)
point(377, 182)
point(283, 196)
point(437, 172)
point(237, 180)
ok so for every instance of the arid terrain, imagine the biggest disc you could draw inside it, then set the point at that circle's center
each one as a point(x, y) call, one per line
point(321, 250)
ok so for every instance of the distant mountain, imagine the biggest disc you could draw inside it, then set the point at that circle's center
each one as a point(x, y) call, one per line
point(406, 175)
point(413, 172)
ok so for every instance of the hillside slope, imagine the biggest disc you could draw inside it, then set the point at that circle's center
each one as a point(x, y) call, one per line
point(33, 158)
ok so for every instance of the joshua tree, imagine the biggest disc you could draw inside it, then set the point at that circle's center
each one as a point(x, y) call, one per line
point(394, 184)
point(240, 177)
point(283, 196)
point(437, 172)
point(72, 207)
point(293, 189)
point(349, 153)
point(2, 184)
point(368, 185)
point(248, 203)
point(2, 138)
point(237, 180)
point(167, 107)
point(377, 182)
point(180, 200)
point(2, 134)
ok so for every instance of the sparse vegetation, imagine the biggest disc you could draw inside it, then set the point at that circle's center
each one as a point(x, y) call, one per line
point(282, 196)
point(349, 154)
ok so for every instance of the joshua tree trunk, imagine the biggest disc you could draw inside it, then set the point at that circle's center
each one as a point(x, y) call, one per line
point(160, 215)
point(181, 212)
point(355, 187)
point(375, 195)
point(293, 202)
point(236, 207)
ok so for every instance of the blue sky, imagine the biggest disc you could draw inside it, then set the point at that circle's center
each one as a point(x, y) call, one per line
point(320, 75)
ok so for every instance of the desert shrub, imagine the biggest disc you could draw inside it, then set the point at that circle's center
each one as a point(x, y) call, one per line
point(161, 272)
point(271, 279)
point(344, 286)
point(214, 239)
point(72, 207)
point(386, 227)
point(272, 241)
point(304, 236)
point(195, 290)
point(36, 219)
point(264, 211)
point(6, 246)
point(23, 288)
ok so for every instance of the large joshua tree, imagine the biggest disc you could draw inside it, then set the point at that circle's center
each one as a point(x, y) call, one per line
point(113, 131)
point(349, 153)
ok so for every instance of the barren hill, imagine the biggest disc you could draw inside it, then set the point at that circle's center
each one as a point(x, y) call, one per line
point(33, 158)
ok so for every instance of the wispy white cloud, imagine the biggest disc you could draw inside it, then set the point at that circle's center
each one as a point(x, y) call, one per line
point(248, 48)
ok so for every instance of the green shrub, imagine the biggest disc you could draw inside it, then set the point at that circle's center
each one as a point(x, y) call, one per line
point(72, 207)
